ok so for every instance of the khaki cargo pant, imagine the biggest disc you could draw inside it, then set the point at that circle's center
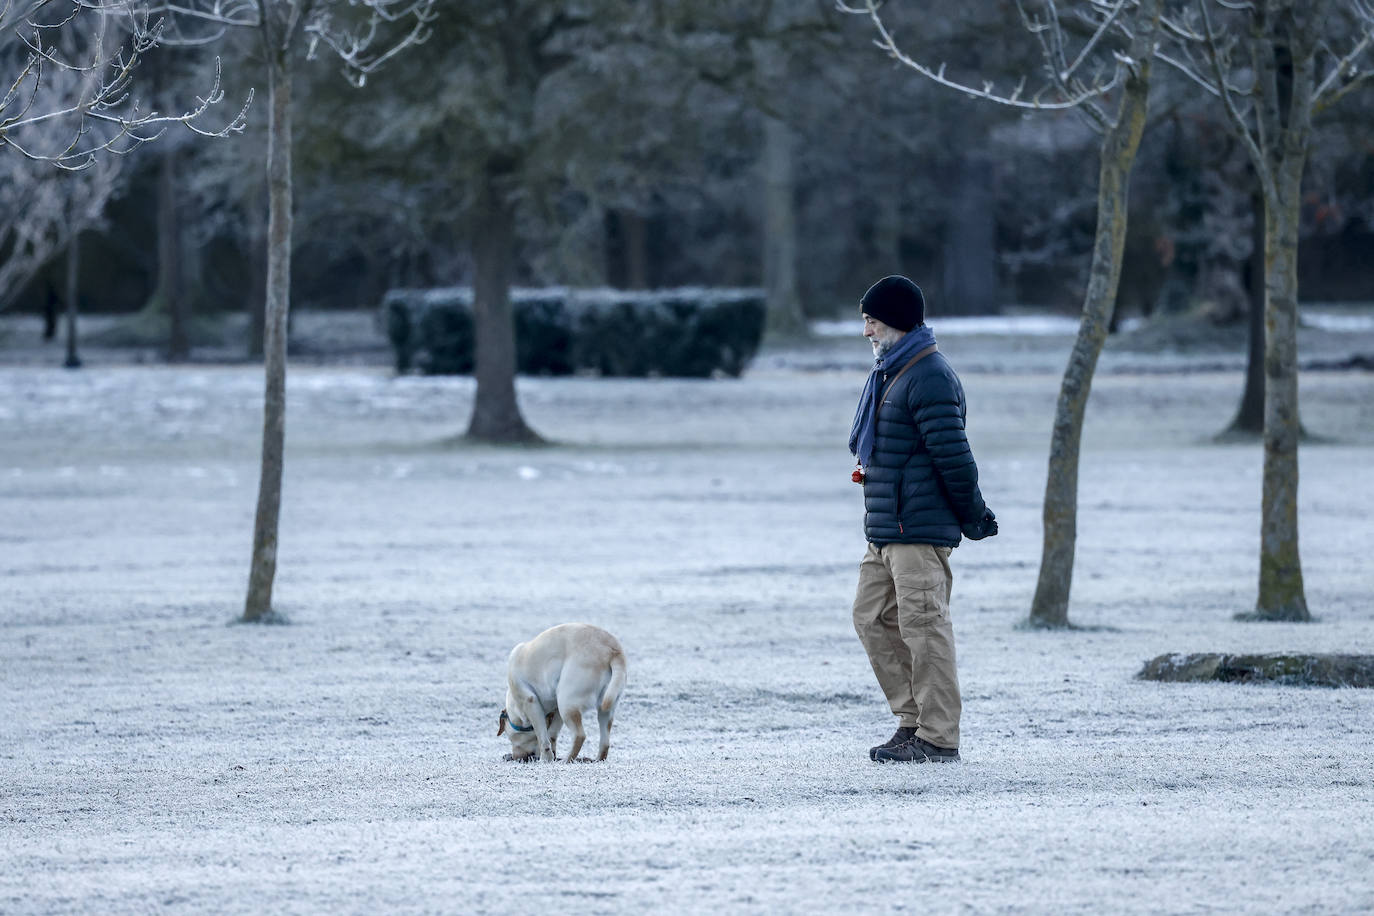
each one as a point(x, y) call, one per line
point(901, 613)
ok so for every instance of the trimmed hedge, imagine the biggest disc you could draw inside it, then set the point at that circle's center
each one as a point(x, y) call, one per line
point(689, 332)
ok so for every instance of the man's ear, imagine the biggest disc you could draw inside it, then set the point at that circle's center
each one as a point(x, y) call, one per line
point(501, 729)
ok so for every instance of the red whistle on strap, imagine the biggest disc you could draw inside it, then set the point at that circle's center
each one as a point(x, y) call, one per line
point(858, 475)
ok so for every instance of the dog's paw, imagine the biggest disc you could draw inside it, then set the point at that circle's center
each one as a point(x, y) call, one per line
point(511, 758)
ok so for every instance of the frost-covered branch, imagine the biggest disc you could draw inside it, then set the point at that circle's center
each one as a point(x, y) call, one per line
point(71, 99)
point(1218, 55)
point(1111, 19)
point(1202, 50)
point(1346, 75)
point(353, 45)
point(42, 209)
point(1064, 90)
point(1181, 29)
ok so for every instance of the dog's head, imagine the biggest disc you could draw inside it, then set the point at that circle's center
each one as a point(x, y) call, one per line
point(523, 743)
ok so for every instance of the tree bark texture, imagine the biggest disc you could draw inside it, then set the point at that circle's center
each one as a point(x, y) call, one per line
point(1050, 606)
point(264, 564)
point(495, 410)
point(73, 360)
point(785, 317)
point(1249, 419)
point(1285, 48)
point(257, 275)
point(1281, 592)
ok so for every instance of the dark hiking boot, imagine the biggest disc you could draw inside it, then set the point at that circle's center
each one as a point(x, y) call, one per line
point(899, 737)
point(915, 750)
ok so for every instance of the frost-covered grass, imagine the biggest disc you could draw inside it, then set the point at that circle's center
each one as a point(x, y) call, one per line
point(155, 757)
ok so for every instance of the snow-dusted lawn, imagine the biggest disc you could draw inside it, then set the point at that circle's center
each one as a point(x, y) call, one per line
point(154, 757)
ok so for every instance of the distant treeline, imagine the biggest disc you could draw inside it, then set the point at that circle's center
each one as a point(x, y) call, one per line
point(643, 156)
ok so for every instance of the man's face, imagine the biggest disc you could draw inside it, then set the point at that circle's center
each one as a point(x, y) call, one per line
point(881, 336)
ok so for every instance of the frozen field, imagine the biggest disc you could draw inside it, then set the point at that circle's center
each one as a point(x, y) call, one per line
point(154, 757)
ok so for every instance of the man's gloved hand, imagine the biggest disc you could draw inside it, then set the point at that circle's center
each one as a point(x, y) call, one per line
point(985, 527)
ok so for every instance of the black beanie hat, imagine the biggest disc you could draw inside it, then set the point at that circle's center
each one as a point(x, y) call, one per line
point(896, 302)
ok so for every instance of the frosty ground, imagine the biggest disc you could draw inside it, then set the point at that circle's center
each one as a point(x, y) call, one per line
point(155, 757)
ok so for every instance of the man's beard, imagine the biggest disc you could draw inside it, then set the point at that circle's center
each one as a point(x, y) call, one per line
point(880, 347)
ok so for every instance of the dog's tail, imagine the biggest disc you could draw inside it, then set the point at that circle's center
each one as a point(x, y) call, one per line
point(617, 682)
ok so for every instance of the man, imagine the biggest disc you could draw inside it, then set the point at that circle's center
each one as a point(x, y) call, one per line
point(920, 495)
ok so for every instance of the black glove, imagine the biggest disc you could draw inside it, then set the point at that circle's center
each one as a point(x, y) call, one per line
point(985, 527)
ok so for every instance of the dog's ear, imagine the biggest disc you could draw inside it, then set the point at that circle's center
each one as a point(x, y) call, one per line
point(548, 720)
point(501, 729)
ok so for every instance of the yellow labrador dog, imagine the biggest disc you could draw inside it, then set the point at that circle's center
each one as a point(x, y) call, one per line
point(560, 676)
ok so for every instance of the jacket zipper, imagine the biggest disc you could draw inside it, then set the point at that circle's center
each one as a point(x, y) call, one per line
point(897, 501)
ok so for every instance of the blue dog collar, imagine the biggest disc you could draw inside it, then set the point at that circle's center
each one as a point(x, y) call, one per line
point(518, 728)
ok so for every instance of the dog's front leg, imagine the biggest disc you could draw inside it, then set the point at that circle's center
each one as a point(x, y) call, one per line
point(532, 711)
point(555, 723)
point(541, 732)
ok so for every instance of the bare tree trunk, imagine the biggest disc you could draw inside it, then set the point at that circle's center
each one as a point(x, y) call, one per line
point(1285, 50)
point(1050, 606)
point(626, 243)
point(169, 292)
point(969, 251)
point(887, 232)
point(172, 290)
point(634, 229)
point(1249, 419)
point(257, 277)
point(1281, 592)
point(264, 565)
point(73, 302)
point(50, 311)
point(495, 410)
point(785, 317)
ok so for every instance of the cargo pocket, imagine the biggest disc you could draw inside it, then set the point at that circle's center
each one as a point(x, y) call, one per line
point(921, 596)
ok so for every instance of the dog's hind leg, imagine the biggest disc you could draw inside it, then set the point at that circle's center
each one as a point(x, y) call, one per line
point(604, 719)
point(576, 690)
point(610, 698)
point(574, 719)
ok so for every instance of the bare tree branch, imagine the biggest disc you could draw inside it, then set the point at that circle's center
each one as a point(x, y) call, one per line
point(351, 46)
point(1218, 57)
point(1066, 95)
point(70, 125)
point(1330, 90)
point(1107, 22)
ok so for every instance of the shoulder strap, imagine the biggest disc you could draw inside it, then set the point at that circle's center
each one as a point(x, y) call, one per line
point(911, 362)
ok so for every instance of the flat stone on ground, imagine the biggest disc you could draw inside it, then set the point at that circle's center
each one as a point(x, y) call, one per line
point(1278, 668)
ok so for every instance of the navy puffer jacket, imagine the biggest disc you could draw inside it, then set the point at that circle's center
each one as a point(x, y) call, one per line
point(921, 486)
